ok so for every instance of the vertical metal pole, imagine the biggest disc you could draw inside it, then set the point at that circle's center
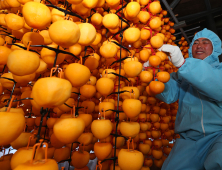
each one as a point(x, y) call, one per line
point(11, 93)
point(57, 52)
point(117, 113)
point(70, 156)
point(210, 19)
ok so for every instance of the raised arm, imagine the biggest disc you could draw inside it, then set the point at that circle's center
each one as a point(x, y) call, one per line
point(202, 76)
point(206, 78)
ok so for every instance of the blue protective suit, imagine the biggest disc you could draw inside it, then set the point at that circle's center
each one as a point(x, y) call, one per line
point(198, 86)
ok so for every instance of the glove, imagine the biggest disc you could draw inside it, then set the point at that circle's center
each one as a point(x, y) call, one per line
point(146, 64)
point(175, 53)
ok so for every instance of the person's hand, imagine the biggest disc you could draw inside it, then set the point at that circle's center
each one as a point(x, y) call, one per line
point(175, 53)
point(146, 64)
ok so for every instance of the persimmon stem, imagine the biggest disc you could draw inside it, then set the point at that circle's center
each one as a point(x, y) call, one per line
point(106, 73)
point(30, 137)
point(6, 43)
point(24, 127)
point(99, 165)
point(18, 104)
point(38, 145)
point(132, 144)
point(128, 143)
point(103, 112)
point(10, 104)
point(54, 69)
point(81, 60)
point(73, 111)
point(29, 43)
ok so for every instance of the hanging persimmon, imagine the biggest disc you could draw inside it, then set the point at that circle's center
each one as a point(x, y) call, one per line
point(133, 68)
point(163, 76)
point(102, 150)
point(129, 129)
point(23, 62)
point(33, 37)
point(155, 23)
point(45, 35)
point(13, 3)
point(71, 133)
point(77, 74)
point(64, 33)
point(101, 128)
point(4, 52)
point(110, 21)
point(49, 164)
point(14, 21)
point(106, 108)
point(24, 80)
point(156, 41)
point(48, 56)
point(57, 14)
point(132, 34)
point(15, 121)
point(156, 87)
point(80, 159)
point(105, 86)
point(133, 9)
point(155, 7)
point(24, 154)
point(51, 91)
point(143, 16)
point(154, 60)
point(36, 15)
point(87, 34)
point(108, 50)
point(132, 107)
point(90, 3)
point(130, 159)
point(86, 138)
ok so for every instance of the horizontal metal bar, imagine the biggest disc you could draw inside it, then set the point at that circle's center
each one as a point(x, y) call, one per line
point(187, 37)
point(187, 30)
point(180, 24)
point(199, 14)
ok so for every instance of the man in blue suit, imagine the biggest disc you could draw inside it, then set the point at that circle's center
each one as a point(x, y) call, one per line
point(198, 86)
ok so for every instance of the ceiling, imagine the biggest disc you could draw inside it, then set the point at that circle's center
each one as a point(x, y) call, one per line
point(196, 14)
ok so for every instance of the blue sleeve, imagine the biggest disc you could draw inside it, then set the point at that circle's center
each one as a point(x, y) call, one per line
point(171, 91)
point(202, 76)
